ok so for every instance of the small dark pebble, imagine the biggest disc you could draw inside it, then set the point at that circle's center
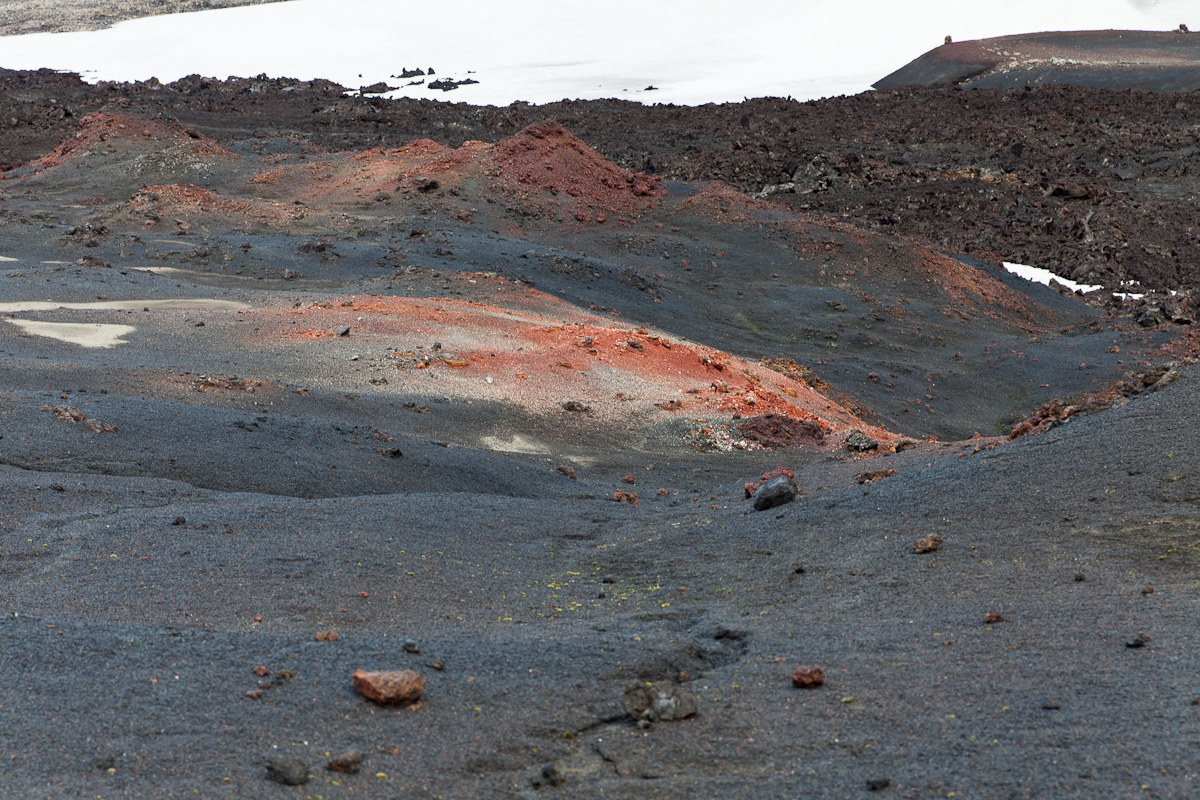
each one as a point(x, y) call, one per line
point(180, 521)
point(608, 579)
point(551, 776)
point(437, 664)
point(411, 646)
point(1051, 705)
point(1138, 641)
point(1079, 578)
point(876, 784)
point(287, 770)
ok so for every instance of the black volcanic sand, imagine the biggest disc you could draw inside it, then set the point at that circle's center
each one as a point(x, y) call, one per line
point(147, 571)
point(1061, 534)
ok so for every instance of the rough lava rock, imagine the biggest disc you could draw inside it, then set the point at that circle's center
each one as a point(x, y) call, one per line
point(662, 701)
point(288, 770)
point(775, 492)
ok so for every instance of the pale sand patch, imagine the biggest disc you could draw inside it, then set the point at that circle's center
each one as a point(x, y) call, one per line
point(80, 333)
point(6, 258)
point(516, 444)
point(127, 305)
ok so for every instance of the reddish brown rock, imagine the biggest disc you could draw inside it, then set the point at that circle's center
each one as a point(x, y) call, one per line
point(260, 671)
point(928, 544)
point(808, 677)
point(626, 497)
point(388, 687)
point(993, 617)
point(348, 762)
point(326, 636)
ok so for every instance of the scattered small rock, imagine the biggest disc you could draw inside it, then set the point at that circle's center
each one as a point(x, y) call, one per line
point(411, 646)
point(626, 497)
point(927, 545)
point(875, 475)
point(1051, 705)
point(629, 479)
point(66, 413)
point(1148, 590)
point(751, 487)
point(1079, 577)
point(348, 762)
point(341, 330)
point(859, 442)
point(180, 521)
point(1138, 641)
point(775, 492)
point(437, 664)
point(808, 677)
point(326, 636)
point(662, 493)
point(254, 694)
point(575, 406)
point(878, 784)
point(993, 617)
point(662, 701)
point(260, 670)
point(287, 770)
point(387, 687)
point(566, 470)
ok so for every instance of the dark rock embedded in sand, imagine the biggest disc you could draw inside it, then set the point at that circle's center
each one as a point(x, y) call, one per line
point(287, 770)
point(775, 492)
point(662, 701)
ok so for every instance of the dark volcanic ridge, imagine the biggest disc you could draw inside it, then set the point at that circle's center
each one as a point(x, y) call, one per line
point(1119, 60)
point(1093, 184)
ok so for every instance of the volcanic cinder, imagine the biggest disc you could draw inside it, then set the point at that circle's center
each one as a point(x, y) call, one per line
point(298, 384)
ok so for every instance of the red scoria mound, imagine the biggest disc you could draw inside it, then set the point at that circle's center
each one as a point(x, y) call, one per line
point(135, 134)
point(547, 157)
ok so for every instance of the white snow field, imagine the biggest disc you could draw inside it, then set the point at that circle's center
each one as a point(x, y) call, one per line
point(538, 51)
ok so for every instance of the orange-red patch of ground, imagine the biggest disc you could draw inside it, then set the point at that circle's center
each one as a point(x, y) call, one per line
point(539, 362)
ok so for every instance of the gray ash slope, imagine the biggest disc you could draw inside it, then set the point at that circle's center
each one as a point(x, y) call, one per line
point(506, 595)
